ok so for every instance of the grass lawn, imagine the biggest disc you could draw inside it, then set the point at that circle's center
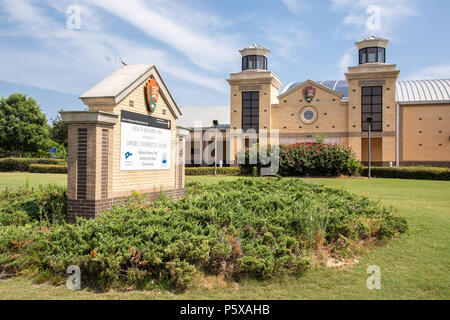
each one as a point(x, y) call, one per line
point(415, 266)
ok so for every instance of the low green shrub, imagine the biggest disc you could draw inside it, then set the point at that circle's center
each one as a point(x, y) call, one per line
point(258, 228)
point(422, 173)
point(48, 168)
point(23, 164)
point(203, 171)
point(317, 159)
point(24, 205)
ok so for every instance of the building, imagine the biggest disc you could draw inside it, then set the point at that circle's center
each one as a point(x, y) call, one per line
point(410, 120)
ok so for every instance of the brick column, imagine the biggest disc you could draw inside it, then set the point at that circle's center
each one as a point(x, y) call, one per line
point(90, 145)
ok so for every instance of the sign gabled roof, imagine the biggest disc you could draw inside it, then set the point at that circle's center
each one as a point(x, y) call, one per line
point(122, 82)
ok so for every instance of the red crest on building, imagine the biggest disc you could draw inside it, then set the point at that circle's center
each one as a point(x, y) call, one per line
point(151, 94)
point(309, 92)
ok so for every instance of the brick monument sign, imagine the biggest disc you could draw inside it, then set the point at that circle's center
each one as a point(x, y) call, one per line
point(126, 141)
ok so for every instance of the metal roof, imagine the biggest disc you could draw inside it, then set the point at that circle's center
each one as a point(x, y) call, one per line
point(423, 91)
point(408, 92)
point(340, 86)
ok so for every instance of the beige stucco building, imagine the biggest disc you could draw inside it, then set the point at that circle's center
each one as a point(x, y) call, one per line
point(410, 120)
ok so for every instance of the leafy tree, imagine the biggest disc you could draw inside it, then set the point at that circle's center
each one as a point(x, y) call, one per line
point(58, 132)
point(23, 126)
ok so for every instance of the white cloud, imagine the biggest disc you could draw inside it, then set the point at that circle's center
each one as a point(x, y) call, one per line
point(296, 6)
point(71, 61)
point(354, 24)
point(347, 60)
point(434, 72)
point(206, 48)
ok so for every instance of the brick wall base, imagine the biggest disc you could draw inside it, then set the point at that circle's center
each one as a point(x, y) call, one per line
point(93, 208)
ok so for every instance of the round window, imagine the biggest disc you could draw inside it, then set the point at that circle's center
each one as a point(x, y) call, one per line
point(308, 115)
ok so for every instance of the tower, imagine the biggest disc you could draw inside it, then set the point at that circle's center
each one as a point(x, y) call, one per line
point(372, 85)
point(252, 92)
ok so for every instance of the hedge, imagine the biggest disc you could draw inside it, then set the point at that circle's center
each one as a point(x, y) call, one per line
point(48, 168)
point(205, 171)
point(23, 164)
point(421, 173)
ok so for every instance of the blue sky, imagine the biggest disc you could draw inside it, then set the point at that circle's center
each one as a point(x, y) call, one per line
point(195, 43)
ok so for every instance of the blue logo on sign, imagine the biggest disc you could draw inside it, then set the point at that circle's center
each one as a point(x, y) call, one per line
point(164, 159)
point(128, 154)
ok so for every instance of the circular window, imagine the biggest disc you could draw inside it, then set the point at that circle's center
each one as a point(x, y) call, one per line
point(308, 115)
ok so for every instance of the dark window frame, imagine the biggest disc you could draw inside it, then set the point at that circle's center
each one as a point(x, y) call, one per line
point(376, 108)
point(366, 54)
point(250, 103)
point(257, 60)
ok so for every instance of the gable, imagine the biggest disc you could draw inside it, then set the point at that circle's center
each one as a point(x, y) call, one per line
point(116, 87)
point(316, 85)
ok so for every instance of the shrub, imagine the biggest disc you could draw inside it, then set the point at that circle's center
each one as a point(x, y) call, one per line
point(23, 164)
point(317, 159)
point(250, 162)
point(203, 171)
point(258, 228)
point(24, 205)
point(48, 168)
point(423, 173)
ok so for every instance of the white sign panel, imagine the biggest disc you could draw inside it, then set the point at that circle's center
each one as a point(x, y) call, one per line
point(144, 142)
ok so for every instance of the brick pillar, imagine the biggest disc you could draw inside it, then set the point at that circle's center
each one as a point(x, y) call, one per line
point(90, 145)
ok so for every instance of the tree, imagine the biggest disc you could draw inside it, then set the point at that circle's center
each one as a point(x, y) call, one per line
point(58, 132)
point(23, 126)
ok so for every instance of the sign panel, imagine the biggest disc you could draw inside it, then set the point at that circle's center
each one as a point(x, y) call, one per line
point(144, 142)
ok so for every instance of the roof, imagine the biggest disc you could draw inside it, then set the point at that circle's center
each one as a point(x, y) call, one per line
point(202, 117)
point(117, 82)
point(340, 86)
point(372, 38)
point(123, 81)
point(408, 92)
point(423, 91)
point(255, 46)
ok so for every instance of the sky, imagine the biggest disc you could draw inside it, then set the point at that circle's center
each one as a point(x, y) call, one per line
point(55, 50)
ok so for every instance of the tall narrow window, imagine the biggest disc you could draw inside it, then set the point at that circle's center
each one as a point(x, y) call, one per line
point(372, 106)
point(250, 110)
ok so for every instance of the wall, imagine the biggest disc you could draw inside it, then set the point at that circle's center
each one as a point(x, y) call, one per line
point(425, 133)
point(331, 118)
point(124, 182)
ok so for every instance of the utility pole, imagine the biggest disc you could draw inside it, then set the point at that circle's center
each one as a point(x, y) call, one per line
point(369, 121)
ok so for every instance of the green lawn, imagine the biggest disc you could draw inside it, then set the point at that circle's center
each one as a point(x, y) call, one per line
point(415, 266)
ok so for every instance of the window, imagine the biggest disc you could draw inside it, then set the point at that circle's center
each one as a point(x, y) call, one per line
point(250, 110)
point(308, 115)
point(371, 106)
point(254, 62)
point(373, 54)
